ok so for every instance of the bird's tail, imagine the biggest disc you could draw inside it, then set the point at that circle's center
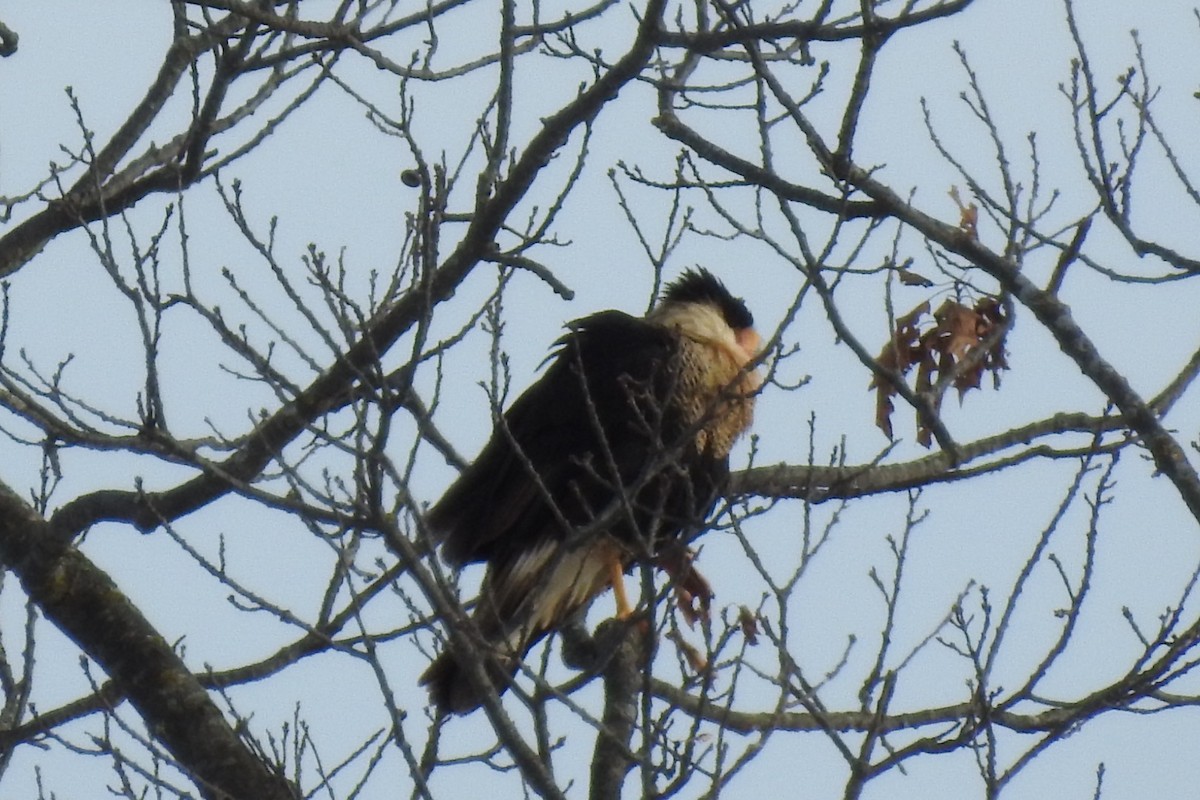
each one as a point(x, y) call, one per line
point(452, 691)
point(518, 606)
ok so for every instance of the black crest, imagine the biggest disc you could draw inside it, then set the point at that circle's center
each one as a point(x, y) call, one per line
point(701, 286)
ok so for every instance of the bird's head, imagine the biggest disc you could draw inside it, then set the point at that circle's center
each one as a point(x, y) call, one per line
point(699, 307)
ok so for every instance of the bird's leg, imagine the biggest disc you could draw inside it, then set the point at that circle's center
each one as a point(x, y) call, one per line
point(616, 576)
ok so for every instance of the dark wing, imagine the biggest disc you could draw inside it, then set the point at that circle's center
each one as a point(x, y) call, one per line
point(601, 413)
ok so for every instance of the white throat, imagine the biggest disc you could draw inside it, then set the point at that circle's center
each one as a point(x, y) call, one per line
point(703, 324)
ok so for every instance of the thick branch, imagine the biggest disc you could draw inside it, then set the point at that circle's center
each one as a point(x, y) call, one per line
point(85, 604)
point(817, 484)
point(612, 759)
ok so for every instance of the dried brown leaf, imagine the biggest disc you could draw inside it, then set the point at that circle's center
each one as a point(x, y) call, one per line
point(695, 659)
point(948, 347)
point(883, 412)
point(899, 355)
point(958, 329)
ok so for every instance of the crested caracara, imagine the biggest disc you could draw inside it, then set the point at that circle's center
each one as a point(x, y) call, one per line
point(621, 448)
